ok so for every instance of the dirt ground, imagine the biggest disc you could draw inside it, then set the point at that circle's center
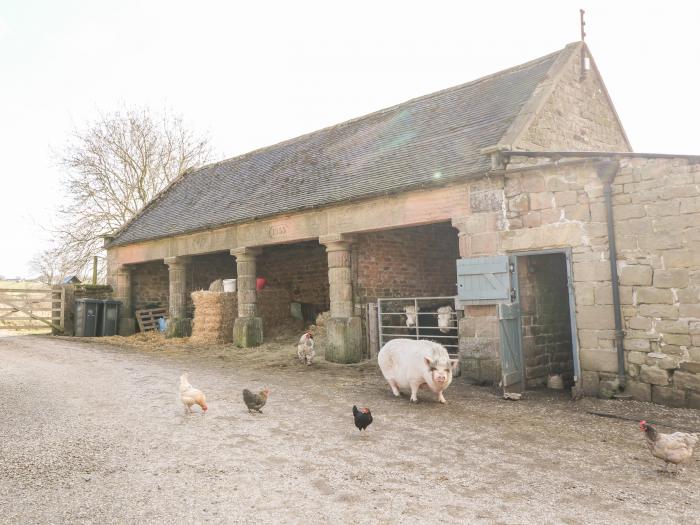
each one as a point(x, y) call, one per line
point(93, 432)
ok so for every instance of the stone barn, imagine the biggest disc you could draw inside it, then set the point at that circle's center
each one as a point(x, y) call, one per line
point(516, 196)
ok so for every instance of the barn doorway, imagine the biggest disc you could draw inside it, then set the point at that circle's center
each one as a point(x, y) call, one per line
point(549, 351)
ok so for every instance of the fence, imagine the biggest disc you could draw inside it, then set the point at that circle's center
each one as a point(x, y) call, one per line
point(391, 317)
point(32, 308)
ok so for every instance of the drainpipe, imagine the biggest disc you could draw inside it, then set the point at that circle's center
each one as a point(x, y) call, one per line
point(607, 169)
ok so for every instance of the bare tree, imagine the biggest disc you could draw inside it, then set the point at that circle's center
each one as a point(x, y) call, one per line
point(114, 167)
point(53, 265)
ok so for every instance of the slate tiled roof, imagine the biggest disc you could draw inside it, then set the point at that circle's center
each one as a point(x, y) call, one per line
point(392, 150)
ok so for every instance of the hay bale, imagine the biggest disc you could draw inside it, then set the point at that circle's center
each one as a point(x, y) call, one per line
point(217, 286)
point(322, 318)
point(214, 315)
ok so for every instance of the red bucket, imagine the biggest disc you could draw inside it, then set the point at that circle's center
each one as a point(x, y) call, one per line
point(260, 283)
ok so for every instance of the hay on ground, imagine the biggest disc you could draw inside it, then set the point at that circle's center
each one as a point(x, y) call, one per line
point(214, 315)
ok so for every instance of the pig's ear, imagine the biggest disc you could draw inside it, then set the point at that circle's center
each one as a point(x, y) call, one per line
point(454, 363)
point(428, 362)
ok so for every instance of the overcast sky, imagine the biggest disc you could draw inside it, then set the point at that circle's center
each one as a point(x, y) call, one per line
point(250, 74)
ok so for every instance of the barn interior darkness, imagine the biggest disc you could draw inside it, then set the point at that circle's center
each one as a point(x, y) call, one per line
point(546, 324)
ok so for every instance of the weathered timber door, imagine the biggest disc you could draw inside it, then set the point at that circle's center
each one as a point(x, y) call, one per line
point(494, 280)
point(511, 354)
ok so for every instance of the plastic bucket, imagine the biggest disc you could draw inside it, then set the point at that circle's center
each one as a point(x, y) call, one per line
point(229, 285)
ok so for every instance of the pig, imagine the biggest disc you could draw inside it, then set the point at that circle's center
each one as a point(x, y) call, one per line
point(410, 364)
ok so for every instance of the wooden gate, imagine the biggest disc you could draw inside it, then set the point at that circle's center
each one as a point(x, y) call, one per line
point(32, 308)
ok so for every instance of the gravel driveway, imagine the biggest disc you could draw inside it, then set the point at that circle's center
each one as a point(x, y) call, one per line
point(95, 433)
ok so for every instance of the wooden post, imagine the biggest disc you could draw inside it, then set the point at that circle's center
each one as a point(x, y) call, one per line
point(94, 270)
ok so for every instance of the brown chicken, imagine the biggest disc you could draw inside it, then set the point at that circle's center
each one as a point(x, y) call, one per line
point(191, 396)
point(255, 401)
point(673, 448)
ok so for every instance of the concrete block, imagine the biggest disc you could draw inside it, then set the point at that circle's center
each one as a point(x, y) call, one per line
point(637, 358)
point(673, 327)
point(519, 203)
point(682, 258)
point(653, 375)
point(541, 200)
point(673, 278)
point(686, 380)
point(638, 345)
point(565, 198)
point(639, 391)
point(532, 183)
point(127, 326)
point(636, 275)
point(650, 295)
point(690, 310)
point(659, 311)
point(248, 332)
point(590, 383)
point(692, 367)
point(598, 360)
point(693, 400)
point(665, 395)
point(677, 339)
point(639, 323)
point(345, 341)
point(592, 271)
point(595, 317)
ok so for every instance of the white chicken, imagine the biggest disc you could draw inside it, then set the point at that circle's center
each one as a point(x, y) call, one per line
point(673, 448)
point(305, 348)
point(191, 396)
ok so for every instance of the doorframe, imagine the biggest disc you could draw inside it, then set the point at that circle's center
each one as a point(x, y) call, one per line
point(572, 306)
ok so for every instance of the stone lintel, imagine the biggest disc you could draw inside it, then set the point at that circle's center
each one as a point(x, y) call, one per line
point(336, 241)
point(177, 260)
point(244, 253)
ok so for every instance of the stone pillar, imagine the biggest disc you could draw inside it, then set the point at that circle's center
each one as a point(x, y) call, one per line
point(344, 330)
point(127, 323)
point(248, 327)
point(479, 340)
point(178, 324)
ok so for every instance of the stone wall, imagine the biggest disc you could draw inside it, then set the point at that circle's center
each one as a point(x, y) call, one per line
point(149, 285)
point(577, 116)
point(657, 222)
point(407, 262)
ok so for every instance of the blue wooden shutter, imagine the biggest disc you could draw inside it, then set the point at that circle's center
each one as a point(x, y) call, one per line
point(483, 280)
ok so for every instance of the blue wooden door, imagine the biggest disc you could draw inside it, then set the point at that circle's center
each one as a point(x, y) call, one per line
point(511, 354)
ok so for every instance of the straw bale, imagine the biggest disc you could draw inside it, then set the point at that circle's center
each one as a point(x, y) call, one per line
point(214, 315)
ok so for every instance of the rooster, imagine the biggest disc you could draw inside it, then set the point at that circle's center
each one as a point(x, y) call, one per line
point(305, 348)
point(671, 448)
point(255, 401)
point(363, 417)
point(191, 396)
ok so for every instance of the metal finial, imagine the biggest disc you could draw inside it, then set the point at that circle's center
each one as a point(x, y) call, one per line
point(583, 23)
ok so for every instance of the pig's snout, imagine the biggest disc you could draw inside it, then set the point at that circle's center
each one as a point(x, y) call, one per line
point(439, 377)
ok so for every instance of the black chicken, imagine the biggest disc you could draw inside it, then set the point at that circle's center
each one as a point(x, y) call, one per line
point(255, 401)
point(363, 417)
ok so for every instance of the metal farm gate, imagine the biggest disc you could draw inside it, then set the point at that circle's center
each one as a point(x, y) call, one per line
point(391, 315)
